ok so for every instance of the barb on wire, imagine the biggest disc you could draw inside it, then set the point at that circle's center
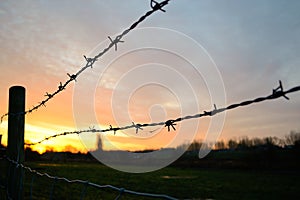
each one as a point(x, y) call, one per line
point(56, 178)
point(115, 41)
point(72, 77)
point(156, 6)
point(90, 61)
point(48, 95)
point(114, 129)
point(279, 90)
point(170, 123)
point(137, 127)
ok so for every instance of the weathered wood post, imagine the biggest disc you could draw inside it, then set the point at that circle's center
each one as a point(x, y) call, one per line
point(15, 140)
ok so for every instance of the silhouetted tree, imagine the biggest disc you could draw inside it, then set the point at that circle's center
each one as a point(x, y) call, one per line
point(31, 155)
point(195, 146)
point(220, 145)
point(293, 138)
point(256, 142)
point(272, 141)
point(244, 143)
point(183, 147)
point(232, 144)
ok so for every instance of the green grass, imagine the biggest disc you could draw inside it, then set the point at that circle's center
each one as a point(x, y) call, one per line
point(182, 183)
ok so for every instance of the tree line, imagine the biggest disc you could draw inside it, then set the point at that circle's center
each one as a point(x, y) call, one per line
point(292, 140)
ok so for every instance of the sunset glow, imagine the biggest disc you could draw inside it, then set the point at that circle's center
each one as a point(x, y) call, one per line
point(252, 45)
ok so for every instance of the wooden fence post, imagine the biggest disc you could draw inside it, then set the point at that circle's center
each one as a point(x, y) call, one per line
point(15, 140)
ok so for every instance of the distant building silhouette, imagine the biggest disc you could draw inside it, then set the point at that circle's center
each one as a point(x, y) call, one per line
point(99, 143)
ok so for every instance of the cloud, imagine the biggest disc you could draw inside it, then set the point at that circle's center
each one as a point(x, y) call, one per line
point(254, 43)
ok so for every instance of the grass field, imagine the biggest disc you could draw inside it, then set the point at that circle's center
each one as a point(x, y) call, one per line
point(182, 183)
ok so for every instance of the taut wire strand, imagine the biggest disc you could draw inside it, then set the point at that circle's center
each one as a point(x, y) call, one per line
point(170, 123)
point(155, 6)
point(56, 178)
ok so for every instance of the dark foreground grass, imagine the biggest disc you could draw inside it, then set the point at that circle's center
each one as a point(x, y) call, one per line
point(182, 183)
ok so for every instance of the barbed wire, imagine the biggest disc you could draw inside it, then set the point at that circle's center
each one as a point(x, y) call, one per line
point(155, 6)
point(86, 183)
point(171, 123)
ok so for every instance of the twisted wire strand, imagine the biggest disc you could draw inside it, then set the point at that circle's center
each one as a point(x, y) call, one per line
point(56, 178)
point(170, 123)
point(155, 6)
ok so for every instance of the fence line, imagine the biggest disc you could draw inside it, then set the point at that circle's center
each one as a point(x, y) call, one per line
point(276, 93)
point(155, 6)
point(86, 183)
point(170, 124)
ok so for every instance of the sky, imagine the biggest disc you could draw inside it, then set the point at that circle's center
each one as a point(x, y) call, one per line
point(158, 73)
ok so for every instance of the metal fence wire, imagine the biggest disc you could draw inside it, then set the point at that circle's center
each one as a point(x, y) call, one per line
point(155, 6)
point(170, 124)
